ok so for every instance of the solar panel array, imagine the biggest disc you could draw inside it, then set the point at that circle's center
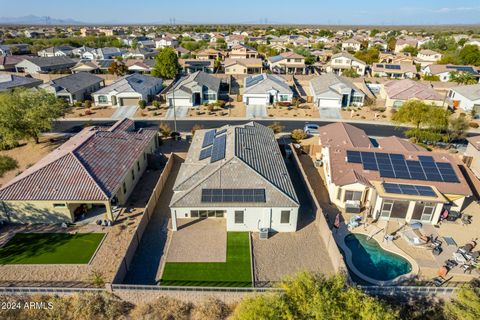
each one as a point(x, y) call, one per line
point(205, 153)
point(409, 189)
point(392, 165)
point(463, 69)
point(218, 149)
point(392, 66)
point(208, 138)
point(233, 195)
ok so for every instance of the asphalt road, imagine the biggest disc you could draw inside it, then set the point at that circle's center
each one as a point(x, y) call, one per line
point(186, 125)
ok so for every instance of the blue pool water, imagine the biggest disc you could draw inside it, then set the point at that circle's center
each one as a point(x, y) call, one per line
point(374, 262)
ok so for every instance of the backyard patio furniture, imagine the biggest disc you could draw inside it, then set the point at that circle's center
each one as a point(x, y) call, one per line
point(466, 219)
point(453, 216)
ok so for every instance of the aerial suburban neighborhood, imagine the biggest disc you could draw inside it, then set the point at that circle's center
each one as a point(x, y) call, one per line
point(240, 170)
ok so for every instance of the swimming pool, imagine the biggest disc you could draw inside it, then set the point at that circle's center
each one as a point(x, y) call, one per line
point(373, 261)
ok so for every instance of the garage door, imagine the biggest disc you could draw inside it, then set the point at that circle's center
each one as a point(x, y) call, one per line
point(257, 101)
point(129, 101)
point(182, 102)
point(328, 103)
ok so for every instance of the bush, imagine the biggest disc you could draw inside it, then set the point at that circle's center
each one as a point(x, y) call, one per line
point(88, 112)
point(78, 104)
point(276, 127)
point(165, 130)
point(7, 164)
point(162, 308)
point(298, 134)
point(156, 104)
point(212, 309)
point(87, 104)
point(142, 104)
point(211, 107)
point(473, 125)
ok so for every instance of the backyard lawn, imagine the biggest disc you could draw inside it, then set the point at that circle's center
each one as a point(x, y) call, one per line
point(50, 248)
point(235, 272)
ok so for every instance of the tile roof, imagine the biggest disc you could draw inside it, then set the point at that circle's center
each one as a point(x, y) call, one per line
point(342, 134)
point(248, 62)
point(132, 83)
point(89, 166)
point(75, 82)
point(201, 78)
point(262, 83)
point(51, 61)
point(8, 81)
point(331, 82)
point(408, 89)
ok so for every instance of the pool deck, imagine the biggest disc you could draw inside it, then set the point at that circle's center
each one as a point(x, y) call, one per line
point(377, 232)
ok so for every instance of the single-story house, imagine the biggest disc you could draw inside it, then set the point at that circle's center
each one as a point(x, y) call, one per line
point(443, 71)
point(56, 51)
point(397, 92)
point(18, 48)
point(97, 168)
point(44, 64)
point(128, 91)
point(472, 155)
point(236, 173)
point(74, 87)
point(465, 97)
point(193, 90)
point(93, 66)
point(396, 180)
point(344, 61)
point(193, 65)
point(266, 89)
point(333, 91)
point(142, 66)
point(103, 53)
point(394, 70)
point(140, 53)
point(7, 63)
point(243, 66)
point(10, 82)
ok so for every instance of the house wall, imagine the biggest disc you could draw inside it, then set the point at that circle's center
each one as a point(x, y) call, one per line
point(411, 206)
point(27, 66)
point(236, 69)
point(464, 103)
point(475, 154)
point(254, 218)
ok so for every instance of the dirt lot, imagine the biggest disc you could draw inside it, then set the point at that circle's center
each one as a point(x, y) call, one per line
point(305, 110)
point(232, 109)
point(26, 155)
point(365, 113)
point(95, 113)
point(150, 111)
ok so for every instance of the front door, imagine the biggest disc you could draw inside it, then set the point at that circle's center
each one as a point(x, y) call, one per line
point(196, 98)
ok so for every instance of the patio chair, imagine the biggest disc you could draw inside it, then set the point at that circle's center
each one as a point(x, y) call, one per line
point(466, 219)
point(459, 257)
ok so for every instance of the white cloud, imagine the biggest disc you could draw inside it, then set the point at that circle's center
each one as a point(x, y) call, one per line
point(456, 9)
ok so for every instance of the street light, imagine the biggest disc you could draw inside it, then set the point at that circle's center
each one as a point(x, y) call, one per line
point(174, 109)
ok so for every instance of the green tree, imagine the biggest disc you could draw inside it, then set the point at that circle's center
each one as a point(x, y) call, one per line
point(351, 73)
point(26, 114)
point(457, 128)
point(374, 32)
point(312, 296)
point(411, 50)
point(462, 77)
point(166, 64)
point(470, 54)
point(466, 304)
point(369, 56)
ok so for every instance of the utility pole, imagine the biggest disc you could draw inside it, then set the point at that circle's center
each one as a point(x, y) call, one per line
point(174, 109)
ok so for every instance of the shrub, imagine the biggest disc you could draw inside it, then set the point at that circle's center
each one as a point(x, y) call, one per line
point(142, 104)
point(78, 104)
point(156, 104)
point(88, 112)
point(162, 308)
point(97, 306)
point(473, 125)
point(164, 129)
point(211, 107)
point(298, 134)
point(276, 127)
point(7, 164)
point(212, 309)
point(87, 104)
point(96, 278)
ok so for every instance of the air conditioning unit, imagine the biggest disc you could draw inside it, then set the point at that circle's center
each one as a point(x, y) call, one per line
point(352, 206)
point(263, 233)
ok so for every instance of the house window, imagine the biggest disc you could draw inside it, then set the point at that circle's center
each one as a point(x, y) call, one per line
point(285, 217)
point(194, 214)
point(423, 211)
point(283, 97)
point(353, 195)
point(397, 104)
point(124, 188)
point(59, 205)
point(357, 99)
point(102, 99)
point(386, 208)
point(210, 96)
point(339, 194)
point(239, 216)
point(133, 175)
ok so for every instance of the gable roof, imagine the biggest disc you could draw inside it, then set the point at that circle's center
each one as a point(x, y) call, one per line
point(263, 83)
point(201, 78)
point(341, 134)
point(471, 92)
point(89, 166)
point(75, 82)
point(135, 82)
point(8, 81)
point(327, 81)
point(43, 62)
point(347, 55)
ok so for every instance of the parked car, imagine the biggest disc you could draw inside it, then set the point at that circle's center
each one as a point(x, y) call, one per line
point(311, 129)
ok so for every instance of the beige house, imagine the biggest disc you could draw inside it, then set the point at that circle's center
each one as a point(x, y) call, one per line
point(397, 92)
point(396, 180)
point(242, 51)
point(95, 171)
point(427, 57)
point(243, 66)
point(472, 155)
point(287, 63)
point(394, 70)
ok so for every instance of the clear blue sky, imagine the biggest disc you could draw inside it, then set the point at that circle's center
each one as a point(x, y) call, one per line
point(253, 11)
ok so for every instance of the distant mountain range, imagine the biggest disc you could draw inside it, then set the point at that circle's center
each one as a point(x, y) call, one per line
point(31, 19)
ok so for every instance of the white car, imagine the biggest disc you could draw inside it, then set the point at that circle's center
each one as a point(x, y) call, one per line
point(311, 129)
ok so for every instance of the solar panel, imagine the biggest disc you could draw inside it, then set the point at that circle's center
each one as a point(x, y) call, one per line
point(218, 149)
point(208, 138)
point(205, 153)
point(407, 189)
point(233, 195)
point(391, 165)
point(392, 66)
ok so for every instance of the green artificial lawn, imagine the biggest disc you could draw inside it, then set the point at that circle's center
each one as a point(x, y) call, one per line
point(50, 248)
point(235, 272)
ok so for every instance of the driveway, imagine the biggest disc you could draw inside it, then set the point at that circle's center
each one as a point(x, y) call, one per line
point(330, 113)
point(124, 112)
point(181, 111)
point(256, 111)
